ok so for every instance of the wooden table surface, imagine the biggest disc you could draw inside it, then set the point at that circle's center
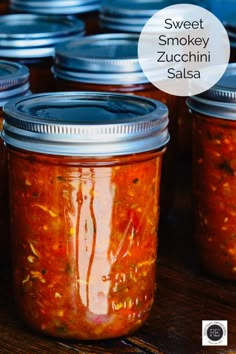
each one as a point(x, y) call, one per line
point(185, 296)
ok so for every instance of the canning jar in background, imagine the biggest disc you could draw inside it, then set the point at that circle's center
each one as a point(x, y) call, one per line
point(128, 16)
point(14, 82)
point(84, 174)
point(31, 39)
point(109, 62)
point(86, 10)
point(214, 176)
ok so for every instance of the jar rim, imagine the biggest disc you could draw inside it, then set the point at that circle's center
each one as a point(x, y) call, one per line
point(12, 75)
point(55, 7)
point(100, 59)
point(129, 16)
point(14, 81)
point(33, 36)
point(85, 123)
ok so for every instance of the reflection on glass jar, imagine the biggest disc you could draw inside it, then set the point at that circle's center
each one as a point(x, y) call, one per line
point(214, 176)
point(84, 199)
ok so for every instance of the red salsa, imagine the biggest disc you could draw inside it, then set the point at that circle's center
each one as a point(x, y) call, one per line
point(215, 192)
point(214, 176)
point(85, 253)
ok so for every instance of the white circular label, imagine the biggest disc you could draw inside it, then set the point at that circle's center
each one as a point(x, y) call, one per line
point(183, 49)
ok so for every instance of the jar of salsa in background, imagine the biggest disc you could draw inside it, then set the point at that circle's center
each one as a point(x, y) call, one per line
point(14, 82)
point(31, 39)
point(109, 62)
point(214, 176)
point(86, 10)
point(128, 16)
point(84, 174)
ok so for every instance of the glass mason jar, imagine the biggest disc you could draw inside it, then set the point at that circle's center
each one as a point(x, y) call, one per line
point(84, 174)
point(109, 62)
point(31, 39)
point(214, 176)
point(86, 10)
point(14, 82)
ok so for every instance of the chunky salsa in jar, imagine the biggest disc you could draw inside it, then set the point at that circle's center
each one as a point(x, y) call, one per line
point(214, 176)
point(84, 187)
point(14, 82)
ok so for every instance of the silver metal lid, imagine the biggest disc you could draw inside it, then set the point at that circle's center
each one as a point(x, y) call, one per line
point(14, 80)
point(85, 124)
point(35, 36)
point(100, 59)
point(129, 16)
point(55, 7)
point(220, 100)
point(12, 74)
